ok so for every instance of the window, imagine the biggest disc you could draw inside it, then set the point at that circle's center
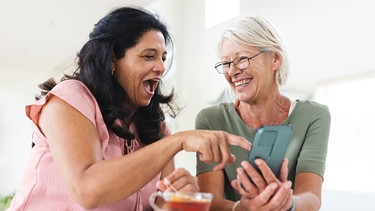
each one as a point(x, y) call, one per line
point(351, 160)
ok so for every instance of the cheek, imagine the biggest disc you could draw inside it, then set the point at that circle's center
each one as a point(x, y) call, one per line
point(227, 77)
point(123, 78)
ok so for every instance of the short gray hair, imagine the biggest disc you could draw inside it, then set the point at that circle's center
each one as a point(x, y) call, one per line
point(258, 32)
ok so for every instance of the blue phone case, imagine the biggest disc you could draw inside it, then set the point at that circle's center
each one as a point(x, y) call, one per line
point(270, 144)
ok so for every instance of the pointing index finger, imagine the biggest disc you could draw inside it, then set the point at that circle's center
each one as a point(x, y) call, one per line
point(239, 141)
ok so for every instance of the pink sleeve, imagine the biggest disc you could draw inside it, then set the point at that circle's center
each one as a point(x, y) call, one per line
point(74, 93)
point(77, 95)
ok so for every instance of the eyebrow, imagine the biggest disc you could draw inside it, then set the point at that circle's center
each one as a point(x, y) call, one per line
point(153, 50)
point(238, 53)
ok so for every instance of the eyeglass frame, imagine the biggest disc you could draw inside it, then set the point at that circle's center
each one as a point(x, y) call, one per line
point(232, 62)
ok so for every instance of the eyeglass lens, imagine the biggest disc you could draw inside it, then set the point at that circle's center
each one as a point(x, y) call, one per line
point(240, 63)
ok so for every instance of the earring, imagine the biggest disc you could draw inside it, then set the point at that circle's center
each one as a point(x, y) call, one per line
point(113, 69)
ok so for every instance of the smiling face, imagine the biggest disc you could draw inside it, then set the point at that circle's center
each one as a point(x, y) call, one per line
point(142, 67)
point(255, 81)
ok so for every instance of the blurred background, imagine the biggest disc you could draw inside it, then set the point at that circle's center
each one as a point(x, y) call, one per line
point(330, 46)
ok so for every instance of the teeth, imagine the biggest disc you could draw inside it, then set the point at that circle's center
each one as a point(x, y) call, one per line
point(240, 83)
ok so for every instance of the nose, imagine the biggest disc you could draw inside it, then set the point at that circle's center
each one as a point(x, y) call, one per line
point(159, 66)
point(233, 70)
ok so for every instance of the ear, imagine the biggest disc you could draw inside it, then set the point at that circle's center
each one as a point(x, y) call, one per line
point(113, 66)
point(277, 60)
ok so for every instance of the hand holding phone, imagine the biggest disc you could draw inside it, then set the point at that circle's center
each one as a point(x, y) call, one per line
point(270, 144)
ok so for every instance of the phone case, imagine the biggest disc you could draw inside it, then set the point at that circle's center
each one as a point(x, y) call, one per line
point(270, 144)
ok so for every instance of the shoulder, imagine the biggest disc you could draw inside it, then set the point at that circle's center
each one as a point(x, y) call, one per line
point(214, 116)
point(312, 106)
point(216, 112)
point(77, 95)
point(222, 107)
point(71, 85)
point(73, 92)
point(309, 112)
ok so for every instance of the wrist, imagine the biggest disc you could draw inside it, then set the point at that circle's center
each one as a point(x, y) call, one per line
point(293, 205)
point(235, 205)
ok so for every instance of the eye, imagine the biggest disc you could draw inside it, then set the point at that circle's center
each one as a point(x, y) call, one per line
point(242, 59)
point(148, 57)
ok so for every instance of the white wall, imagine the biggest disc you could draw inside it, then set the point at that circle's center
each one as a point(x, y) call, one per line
point(196, 82)
point(17, 88)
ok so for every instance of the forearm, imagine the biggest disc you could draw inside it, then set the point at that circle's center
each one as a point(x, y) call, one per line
point(213, 182)
point(221, 204)
point(108, 181)
point(306, 201)
point(307, 191)
point(77, 152)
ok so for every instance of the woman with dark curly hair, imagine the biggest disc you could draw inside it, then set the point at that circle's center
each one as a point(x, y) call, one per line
point(100, 138)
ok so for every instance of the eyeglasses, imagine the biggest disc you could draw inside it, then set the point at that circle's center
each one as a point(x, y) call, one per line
point(240, 63)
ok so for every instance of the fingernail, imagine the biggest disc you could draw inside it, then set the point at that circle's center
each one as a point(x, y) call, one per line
point(258, 162)
point(245, 164)
point(239, 172)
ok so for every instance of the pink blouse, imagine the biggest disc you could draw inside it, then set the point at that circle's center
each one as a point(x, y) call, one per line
point(42, 187)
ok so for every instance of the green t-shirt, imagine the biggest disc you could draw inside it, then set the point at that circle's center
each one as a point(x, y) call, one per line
point(307, 149)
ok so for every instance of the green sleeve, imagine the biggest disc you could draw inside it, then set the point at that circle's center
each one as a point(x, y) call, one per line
point(202, 124)
point(313, 153)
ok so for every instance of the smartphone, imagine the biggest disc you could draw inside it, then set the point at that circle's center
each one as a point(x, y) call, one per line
point(270, 144)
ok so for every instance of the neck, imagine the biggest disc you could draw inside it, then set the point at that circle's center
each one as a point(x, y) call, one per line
point(271, 111)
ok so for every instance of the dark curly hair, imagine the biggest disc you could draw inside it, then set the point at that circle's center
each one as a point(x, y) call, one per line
point(111, 37)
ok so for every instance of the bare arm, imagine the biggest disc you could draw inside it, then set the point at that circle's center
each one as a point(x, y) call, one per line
point(76, 150)
point(94, 182)
point(307, 191)
point(213, 182)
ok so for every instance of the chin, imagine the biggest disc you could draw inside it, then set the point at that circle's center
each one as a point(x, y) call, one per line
point(144, 104)
point(242, 98)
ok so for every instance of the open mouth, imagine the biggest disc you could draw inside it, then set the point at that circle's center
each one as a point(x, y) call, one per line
point(242, 83)
point(150, 85)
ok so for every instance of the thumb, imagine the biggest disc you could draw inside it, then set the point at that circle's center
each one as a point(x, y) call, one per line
point(160, 185)
point(220, 166)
